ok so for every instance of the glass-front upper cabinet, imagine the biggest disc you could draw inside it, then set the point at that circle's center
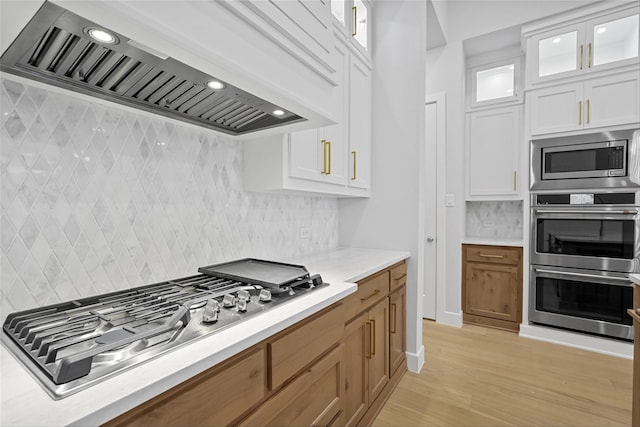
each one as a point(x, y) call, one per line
point(338, 9)
point(608, 41)
point(360, 23)
point(354, 18)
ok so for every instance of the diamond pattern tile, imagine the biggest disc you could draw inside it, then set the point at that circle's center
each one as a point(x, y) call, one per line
point(96, 198)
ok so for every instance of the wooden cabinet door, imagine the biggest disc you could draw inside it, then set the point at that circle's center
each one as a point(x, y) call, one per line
point(378, 325)
point(556, 109)
point(612, 100)
point(397, 337)
point(492, 290)
point(313, 399)
point(355, 343)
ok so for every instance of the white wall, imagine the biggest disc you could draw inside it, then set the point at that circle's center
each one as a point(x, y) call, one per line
point(446, 73)
point(389, 219)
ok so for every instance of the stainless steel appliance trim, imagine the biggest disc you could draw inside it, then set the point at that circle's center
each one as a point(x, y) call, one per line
point(572, 322)
point(609, 181)
point(562, 273)
point(587, 211)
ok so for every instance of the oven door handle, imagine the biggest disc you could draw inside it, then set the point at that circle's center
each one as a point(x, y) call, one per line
point(585, 275)
point(588, 211)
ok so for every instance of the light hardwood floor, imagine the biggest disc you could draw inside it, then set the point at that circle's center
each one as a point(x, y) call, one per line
point(476, 376)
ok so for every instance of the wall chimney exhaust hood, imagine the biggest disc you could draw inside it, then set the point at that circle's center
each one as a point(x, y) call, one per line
point(63, 49)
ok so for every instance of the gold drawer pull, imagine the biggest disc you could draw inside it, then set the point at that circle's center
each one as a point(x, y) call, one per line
point(491, 256)
point(376, 292)
point(373, 337)
point(393, 316)
point(401, 277)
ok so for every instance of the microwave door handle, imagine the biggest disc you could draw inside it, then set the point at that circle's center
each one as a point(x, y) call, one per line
point(585, 275)
point(588, 211)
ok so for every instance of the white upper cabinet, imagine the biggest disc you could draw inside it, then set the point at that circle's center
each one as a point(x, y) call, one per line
point(493, 139)
point(594, 103)
point(584, 46)
point(359, 125)
point(497, 82)
point(361, 23)
point(333, 160)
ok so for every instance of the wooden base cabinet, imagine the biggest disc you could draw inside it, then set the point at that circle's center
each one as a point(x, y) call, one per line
point(375, 341)
point(397, 329)
point(492, 286)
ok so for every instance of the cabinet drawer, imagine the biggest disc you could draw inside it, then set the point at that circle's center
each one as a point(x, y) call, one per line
point(313, 398)
point(398, 276)
point(216, 397)
point(291, 352)
point(370, 291)
point(493, 254)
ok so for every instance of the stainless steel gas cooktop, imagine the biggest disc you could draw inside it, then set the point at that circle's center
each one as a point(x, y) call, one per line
point(72, 345)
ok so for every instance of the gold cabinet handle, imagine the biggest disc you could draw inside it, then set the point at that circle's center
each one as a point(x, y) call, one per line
point(581, 55)
point(324, 143)
point(329, 162)
point(393, 316)
point(491, 256)
point(368, 355)
point(589, 55)
point(376, 292)
point(353, 178)
point(588, 111)
point(579, 112)
point(373, 337)
point(355, 21)
point(515, 180)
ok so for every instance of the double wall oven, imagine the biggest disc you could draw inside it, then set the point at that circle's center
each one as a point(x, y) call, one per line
point(585, 232)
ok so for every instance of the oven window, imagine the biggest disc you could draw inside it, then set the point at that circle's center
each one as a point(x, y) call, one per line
point(578, 160)
point(586, 237)
point(581, 299)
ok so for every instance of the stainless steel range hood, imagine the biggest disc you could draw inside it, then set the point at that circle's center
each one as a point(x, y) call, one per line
point(56, 47)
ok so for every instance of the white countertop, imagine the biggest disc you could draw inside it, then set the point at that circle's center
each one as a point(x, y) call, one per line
point(635, 278)
point(490, 242)
point(25, 403)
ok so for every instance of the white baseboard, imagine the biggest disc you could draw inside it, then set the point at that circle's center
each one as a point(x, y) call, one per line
point(449, 318)
point(607, 346)
point(415, 361)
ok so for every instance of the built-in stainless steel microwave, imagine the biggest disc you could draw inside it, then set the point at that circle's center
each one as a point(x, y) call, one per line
point(601, 160)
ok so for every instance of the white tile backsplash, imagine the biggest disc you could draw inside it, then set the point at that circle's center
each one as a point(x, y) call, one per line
point(95, 198)
point(499, 221)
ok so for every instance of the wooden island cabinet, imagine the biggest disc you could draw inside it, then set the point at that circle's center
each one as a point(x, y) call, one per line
point(337, 367)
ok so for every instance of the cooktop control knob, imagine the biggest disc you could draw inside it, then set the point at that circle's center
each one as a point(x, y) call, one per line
point(265, 295)
point(244, 295)
point(242, 305)
point(229, 300)
point(211, 310)
point(316, 280)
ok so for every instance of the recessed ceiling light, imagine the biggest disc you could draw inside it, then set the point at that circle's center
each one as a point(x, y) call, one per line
point(601, 30)
point(215, 84)
point(278, 112)
point(557, 40)
point(101, 35)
